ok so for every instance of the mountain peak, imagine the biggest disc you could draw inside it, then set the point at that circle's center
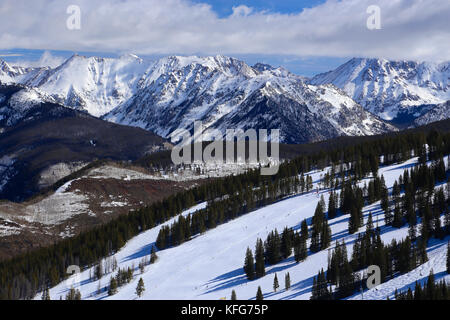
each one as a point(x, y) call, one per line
point(391, 89)
point(262, 67)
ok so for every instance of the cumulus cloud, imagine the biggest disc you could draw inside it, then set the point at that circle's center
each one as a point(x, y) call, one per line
point(410, 29)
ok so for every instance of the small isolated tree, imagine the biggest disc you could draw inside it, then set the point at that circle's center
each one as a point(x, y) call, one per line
point(275, 283)
point(140, 288)
point(153, 256)
point(233, 295)
point(112, 286)
point(287, 281)
point(142, 266)
point(259, 294)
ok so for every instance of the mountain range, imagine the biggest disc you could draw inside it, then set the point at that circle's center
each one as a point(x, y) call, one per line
point(361, 97)
point(398, 91)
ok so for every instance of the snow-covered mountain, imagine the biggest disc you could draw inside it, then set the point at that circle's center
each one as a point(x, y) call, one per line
point(439, 112)
point(224, 93)
point(94, 84)
point(172, 92)
point(17, 101)
point(392, 89)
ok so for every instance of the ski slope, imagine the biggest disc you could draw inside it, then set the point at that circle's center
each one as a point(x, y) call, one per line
point(210, 265)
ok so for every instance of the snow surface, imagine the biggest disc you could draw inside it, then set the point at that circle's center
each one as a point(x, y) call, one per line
point(210, 265)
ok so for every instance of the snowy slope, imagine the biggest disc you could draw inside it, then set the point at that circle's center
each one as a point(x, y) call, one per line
point(210, 265)
point(390, 89)
point(437, 254)
point(96, 85)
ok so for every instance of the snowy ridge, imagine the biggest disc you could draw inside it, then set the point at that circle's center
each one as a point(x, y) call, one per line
point(439, 112)
point(390, 88)
point(224, 93)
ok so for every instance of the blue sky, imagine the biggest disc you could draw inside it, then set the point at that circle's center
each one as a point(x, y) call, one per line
point(224, 7)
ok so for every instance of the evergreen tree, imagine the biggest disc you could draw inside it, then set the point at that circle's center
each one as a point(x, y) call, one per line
point(249, 265)
point(275, 283)
point(233, 295)
point(112, 290)
point(140, 288)
point(260, 270)
point(332, 207)
point(259, 294)
point(153, 256)
point(287, 281)
point(73, 294)
point(286, 242)
point(46, 294)
point(300, 246)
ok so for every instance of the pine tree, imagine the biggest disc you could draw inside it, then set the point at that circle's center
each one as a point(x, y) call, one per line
point(259, 294)
point(233, 295)
point(287, 281)
point(260, 270)
point(319, 229)
point(286, 242)
point(153, 256)
point(275, 283)
point(249, 265)
point(332, 212)
point(112, 290)
point(140, 288)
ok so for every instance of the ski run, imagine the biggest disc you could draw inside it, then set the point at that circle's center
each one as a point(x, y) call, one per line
point(210, 265)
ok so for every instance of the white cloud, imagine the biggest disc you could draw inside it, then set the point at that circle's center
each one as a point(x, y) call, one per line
point(411, 29)
point(46, 60)
point(241, 11)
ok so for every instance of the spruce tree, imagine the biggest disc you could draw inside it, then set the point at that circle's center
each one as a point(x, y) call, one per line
point(249, 265)
point(260, 270)
point(332, 212)
point(287, 281)
point(140, 288)
point(153, 256)
point(112, 290)
point(259, 294)
point(275, 283)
